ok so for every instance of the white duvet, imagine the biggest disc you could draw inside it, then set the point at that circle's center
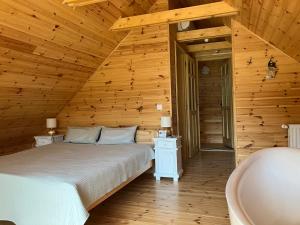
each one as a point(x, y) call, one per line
point(54, 184)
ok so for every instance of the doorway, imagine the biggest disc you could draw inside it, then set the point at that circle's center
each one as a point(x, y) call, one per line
point(204, 102)
point(216, 111)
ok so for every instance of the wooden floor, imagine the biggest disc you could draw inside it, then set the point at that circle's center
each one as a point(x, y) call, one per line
point(198, 198)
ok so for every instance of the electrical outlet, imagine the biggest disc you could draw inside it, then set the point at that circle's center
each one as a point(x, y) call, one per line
point(159, 107)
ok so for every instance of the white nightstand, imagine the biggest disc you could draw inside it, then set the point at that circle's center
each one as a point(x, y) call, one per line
point(168, 161)
point(48, 139)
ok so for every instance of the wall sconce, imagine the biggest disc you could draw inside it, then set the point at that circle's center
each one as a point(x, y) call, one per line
point(272, 69)
point(205, 70)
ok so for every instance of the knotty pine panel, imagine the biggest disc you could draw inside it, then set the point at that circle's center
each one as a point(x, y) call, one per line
point(210, 104)
point(275, 21)
point(261, 105)
point(127, 86)
point(47, 52)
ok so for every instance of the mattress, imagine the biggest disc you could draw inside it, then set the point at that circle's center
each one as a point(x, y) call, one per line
point(55, 184)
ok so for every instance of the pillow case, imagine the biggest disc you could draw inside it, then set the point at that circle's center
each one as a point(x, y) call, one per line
point(114, 136)
point(83, 135)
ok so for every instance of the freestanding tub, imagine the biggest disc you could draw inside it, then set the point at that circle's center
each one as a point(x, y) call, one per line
point(265, 189)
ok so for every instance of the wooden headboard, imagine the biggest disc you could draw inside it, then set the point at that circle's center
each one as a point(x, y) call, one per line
point(145, 136)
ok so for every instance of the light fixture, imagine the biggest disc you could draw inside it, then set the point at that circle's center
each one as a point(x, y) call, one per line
point(272, 69)
point(51, 125)
point(205, 70)
point(184, 25)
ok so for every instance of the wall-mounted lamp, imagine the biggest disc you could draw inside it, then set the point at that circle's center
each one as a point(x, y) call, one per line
point(272, 69)
point(205, 70)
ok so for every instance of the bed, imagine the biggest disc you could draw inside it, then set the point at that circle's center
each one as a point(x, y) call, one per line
point(58, 184)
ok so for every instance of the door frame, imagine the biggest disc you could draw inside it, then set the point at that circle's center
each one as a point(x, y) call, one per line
point(229, 58)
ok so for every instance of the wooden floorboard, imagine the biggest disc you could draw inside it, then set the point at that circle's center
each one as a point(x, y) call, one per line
point(198, 198)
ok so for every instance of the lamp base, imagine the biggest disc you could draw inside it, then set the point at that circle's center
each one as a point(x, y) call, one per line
point(166, 132)
point(51, 132)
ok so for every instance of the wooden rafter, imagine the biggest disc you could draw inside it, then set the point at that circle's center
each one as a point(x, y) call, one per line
point(214, 32)
point(75, 3)
point(209, 46)
point(213, 54)
point(200, 12)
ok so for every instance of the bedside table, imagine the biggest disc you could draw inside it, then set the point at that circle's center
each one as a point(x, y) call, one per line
point(168, 161)
point(48, 139)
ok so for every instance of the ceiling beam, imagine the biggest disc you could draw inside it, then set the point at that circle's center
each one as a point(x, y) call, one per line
point(209, 46)
point(200, 12)
point(213, 54)
point(212, 58)
point(75, 3)
point(214, 32)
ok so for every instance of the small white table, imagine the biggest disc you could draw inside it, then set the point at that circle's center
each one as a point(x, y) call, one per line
point(168, 161)
point(48, 139)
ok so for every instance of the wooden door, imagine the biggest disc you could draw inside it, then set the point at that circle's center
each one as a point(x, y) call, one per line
point(227, 107)
point(182, 122)
point(187, 103)
point(193, 106)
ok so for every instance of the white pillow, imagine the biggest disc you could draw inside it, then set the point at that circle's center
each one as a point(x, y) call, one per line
point(82, 135)
point(114, 136)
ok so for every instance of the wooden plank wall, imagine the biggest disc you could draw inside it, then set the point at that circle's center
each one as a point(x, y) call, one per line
point(261, 105)
point(210, 104)
point(47, 52)
point(275, 21)
point(127, 86)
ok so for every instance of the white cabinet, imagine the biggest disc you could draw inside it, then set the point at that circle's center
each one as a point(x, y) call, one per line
point(168, 162)
point(48, 139)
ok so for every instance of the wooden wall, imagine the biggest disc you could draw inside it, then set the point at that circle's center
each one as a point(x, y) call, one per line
point(47, 52)
point(127, 86)
point(210, 104)
point(261, 105)
point(276, 21)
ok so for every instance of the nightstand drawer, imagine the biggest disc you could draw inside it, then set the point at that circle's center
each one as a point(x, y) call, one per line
point(43, 141)
point(162, 143)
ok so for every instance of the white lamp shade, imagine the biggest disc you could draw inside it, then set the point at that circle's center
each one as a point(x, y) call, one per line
point(51, 123)
point(165, 121)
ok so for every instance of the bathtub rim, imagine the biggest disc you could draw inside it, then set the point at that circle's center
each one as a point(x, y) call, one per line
point(232, 197)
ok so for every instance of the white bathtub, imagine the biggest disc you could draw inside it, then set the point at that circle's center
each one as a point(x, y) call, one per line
point(265, 189)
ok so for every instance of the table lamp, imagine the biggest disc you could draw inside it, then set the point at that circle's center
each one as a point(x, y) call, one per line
point(166, 124)
point(51, 125)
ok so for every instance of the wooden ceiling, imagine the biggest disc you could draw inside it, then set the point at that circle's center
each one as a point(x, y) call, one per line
point(126, 7)
point(47, 52)
point(276, 21)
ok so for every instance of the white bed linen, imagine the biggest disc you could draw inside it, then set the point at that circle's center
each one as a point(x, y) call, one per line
point(54, 184)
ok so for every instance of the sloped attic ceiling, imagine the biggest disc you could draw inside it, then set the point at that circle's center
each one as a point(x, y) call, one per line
point(276, 21)
point(47, 52)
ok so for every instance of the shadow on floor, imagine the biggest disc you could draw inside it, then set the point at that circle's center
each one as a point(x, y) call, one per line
point(6, 223)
